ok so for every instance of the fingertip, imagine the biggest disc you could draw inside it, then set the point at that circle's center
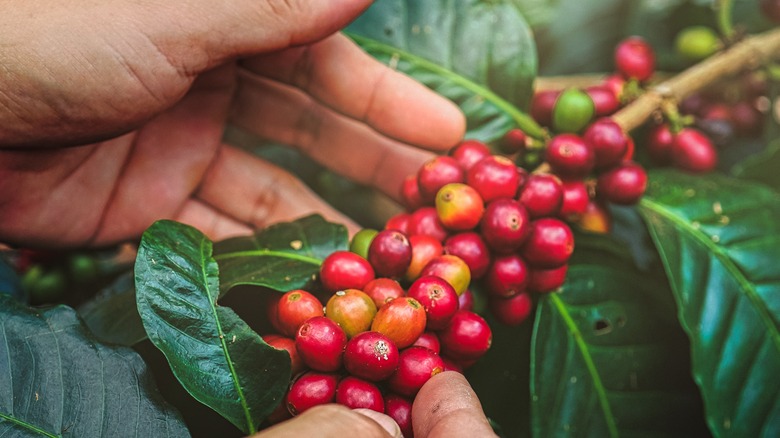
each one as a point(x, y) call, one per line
point(387, 423)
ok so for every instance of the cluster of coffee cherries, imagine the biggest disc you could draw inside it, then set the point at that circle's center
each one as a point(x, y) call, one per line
point(375, 342)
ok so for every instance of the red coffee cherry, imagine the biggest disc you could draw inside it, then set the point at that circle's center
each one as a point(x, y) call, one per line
point(513, 141)
point(437, 297)
point(542, 280)
point(550, 244)
point(542, 195)
point(469, 153)
point(507, 276)
point(295, 307)
point(604, 99)
point(429, 340)
point(424, 249)
point(390, 254)
point(451, 365)
point(288, 345)
point(356, 393)
point(459, 206)
point(494, 177)
point(320, 343)
point(410, 193)
point(426, 221)
point(452, 269)
point(402, 320)
point(511, 311)
point(505, 225)
point(693, 151)
point(382, 290)
point(746, 118)
point(634, 58)
point(437, 173)
point(311, 389)
point(569, 156)
point(371, 356)
point(659, 144)
point(542, 106)
point(615, 83)
point(472, 249)
point(399, 222)
point(575, 200)
point(345, 270)
point(624, 184)
point(771, 10)
point(467, 337)
point(466, 300)
point(352, 309)
point(399, 408)
point(415, 367)
point(608, 141)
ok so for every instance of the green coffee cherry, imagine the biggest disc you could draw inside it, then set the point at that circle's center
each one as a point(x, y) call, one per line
point(573, 110)
point(361, 241)
point(696, 43)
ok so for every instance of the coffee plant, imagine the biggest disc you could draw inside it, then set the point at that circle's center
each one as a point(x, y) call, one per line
point(598, 255)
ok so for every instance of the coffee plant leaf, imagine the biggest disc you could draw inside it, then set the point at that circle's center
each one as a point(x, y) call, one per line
point(608, 357)
point(719, 240)
point(761, 167)
point(282, 257)
point(480, 55)
point(57, 380)
point(112, 315)
point(212, 352)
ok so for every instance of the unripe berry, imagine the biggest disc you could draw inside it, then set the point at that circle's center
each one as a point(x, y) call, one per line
point(695, 43)
point(452, 269)
point(624, 184)
point(459, 206)
point(352, 309)
point(573, 110)
point(596, 219)
point(361, 241)
point(402, 320)
point(634, 58)
point(569, 156)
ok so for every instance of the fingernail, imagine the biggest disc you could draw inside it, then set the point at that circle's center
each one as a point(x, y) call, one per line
point(387, 423)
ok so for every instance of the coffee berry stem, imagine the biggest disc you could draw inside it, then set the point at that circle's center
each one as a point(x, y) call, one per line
point(749, 53)
point(725, 23)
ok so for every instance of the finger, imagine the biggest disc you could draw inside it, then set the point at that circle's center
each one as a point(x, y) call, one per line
point(327, 421)
point(286, 115)
point(389, 101)
point(258, 193)
point(446, 406)
point(213, 223)
point(387, 423)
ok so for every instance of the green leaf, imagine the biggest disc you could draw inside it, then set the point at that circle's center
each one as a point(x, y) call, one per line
point(112, 315)
point(719, 239)
point(56, 380)
point(608, 358)
point(479, 54)
point(761, 167)
point(283, 257)
point(216, 357)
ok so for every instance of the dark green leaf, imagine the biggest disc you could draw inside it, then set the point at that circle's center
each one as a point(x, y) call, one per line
point(9, 281)
point(57, 380)
point(608, 358)
point(719, 239)
point(284, 256)
point(112, 314)
point(761, 167)
point(479, 54)
point(217, 358)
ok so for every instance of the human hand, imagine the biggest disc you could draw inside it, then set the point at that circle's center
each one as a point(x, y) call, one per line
point(140, 93)
point(445, 407)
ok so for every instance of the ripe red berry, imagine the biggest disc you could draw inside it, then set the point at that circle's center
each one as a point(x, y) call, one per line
point(320, 343)
point(295, 307)
point(746, 118)
point(472, 249)
point(542, 105)
point(604, 99)
point(410, 193)
point(437, 297)
point(550, 244)
point(399, 222)
point(469, 153)
point(542, 195)
point(426, 221)
point(402, 320)
point(424, 249)
point(615, 83)
point(371, 356)
point(288, 345)
point(569, 156)
point(466, 300)
point(437, 173)
point(771, 10)
point(345, 270)
point(659, 144)
point(468, 336)
point(415, 367)
point(507, 276)
point(624, 184)
point(693, 151)
point(494, 177)
point(452, 269)
point(390, 254)
point(634, 58)
point(352, 309)
point(429, 340)
point(511, 311)
point(311, 389)
point(608, 141)
point(575, 200)
point(382, 290)
point(513, 141)
point(399, 408)
point(459, 206)
point(355, 393)
point(542, 280)
point(505, 225)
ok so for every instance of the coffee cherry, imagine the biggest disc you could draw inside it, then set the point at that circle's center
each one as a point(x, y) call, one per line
point(693, 151)
point(596, 219)
point(634, 58)
point(695, 43)
point(410, 193)
point(542, 105)
point(399, 222)
point(747, 120)
point(469, 153)
point(542, 195)
point(624, 184)
point(415, 367)
point(437, 297)
point(459, 206)
point(507, 276)
point(511, 311)
point(604, 100)
point(352, 309)
point(288, 345)
point(573, 110)
point(320, 343)
point(390, 254)
point(608, 141)
point(451, 365)
point(424, 249)
point(575, 200)
point(494, 177)
point(569, 156)
point(542, 280)
point(402, 320)
point(437, 173)
point(550, 244)
point(616, 83)
point(513, 141)
point(426, 221)
point(468, 336)
point(429, 340)
point(345, 270)
point(399, 408)
point(659, 144)
point(382, 290)
point(371, 356)
point(472, 249)
point(295, 307)
point(771, 9)
point(361, 241)
point(311, 389)
point(356, 393)
point(452, 269)
point(505, 225)
point(466, 301)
